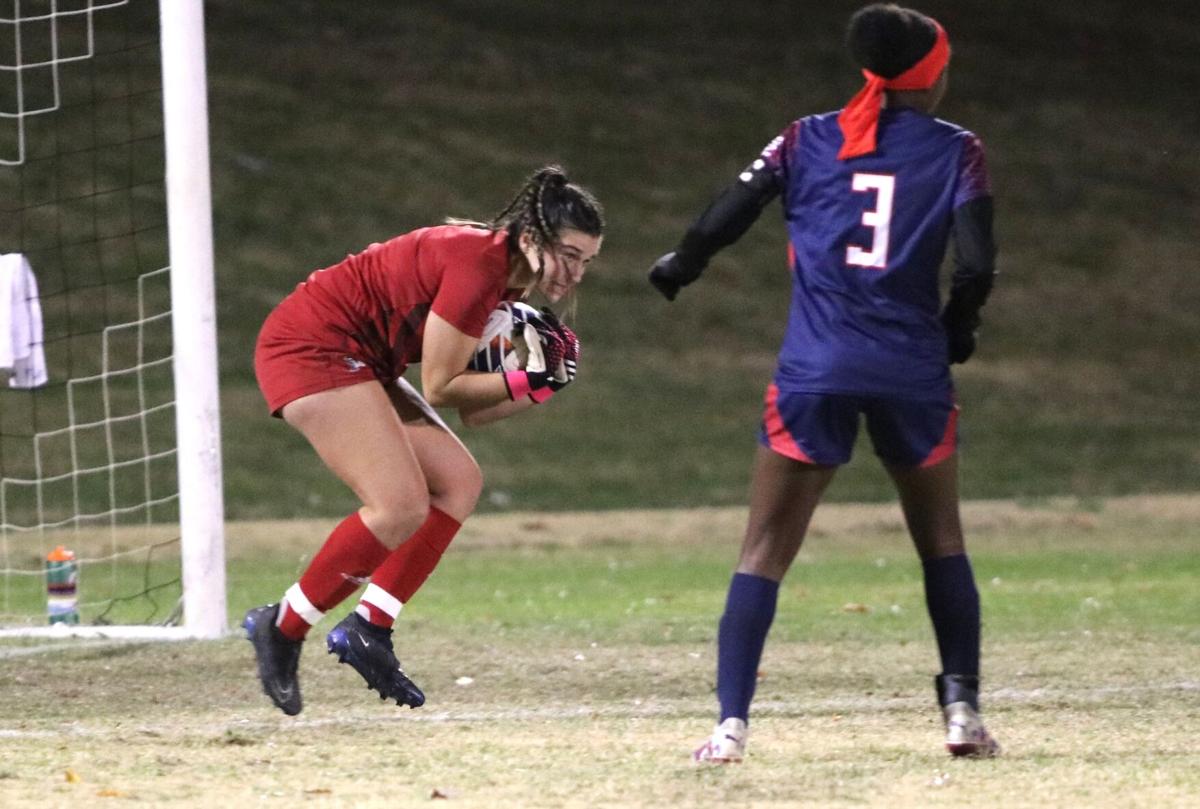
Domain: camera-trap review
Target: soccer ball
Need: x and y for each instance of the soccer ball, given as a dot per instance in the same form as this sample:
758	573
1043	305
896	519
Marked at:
503	346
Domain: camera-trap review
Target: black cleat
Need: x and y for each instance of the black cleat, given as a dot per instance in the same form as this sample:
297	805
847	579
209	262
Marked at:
368	649
278	658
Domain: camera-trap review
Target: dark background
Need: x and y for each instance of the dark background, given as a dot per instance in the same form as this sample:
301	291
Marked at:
338	124
333	128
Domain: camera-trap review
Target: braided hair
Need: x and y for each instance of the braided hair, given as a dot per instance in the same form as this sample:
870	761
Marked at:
547	204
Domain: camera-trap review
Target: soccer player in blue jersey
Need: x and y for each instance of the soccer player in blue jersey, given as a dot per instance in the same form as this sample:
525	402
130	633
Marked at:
871	195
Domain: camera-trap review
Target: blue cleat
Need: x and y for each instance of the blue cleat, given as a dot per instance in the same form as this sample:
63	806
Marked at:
368	649
278	658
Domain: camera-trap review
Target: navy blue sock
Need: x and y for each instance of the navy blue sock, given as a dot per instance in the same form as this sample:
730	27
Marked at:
953	603
749	610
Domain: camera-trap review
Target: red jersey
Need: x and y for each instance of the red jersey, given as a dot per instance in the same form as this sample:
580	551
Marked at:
368	311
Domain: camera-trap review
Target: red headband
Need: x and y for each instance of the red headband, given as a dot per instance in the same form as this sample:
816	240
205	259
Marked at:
860	118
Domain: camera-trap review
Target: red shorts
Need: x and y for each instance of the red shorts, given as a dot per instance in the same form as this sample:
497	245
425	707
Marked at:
297	355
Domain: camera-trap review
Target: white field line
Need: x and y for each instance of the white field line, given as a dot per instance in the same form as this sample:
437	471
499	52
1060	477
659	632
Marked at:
634	709
68	645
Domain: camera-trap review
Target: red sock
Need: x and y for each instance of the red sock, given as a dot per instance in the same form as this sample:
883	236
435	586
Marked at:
349	554
406	569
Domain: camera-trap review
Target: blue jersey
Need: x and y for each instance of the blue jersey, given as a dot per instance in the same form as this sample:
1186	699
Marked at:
866	241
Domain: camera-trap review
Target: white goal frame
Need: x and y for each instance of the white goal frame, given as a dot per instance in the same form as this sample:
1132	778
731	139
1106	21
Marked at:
194	339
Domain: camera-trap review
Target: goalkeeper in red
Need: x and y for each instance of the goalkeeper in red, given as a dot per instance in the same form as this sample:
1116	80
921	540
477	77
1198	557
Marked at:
330	360
871	196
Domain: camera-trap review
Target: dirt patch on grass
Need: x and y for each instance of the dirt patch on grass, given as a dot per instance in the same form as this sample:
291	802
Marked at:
1155	518
1151	521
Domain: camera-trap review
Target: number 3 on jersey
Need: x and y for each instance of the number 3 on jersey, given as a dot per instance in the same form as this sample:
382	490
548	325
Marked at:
879	219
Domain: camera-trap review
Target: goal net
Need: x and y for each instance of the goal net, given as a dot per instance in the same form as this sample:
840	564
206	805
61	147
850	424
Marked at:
109	439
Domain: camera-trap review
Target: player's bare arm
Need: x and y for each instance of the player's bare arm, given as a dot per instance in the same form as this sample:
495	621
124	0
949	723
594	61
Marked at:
445	380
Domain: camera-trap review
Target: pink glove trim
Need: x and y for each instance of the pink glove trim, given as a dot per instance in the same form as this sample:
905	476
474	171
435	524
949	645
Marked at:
518	384
541	395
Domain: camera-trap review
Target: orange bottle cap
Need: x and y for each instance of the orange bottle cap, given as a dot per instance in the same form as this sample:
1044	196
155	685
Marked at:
61	554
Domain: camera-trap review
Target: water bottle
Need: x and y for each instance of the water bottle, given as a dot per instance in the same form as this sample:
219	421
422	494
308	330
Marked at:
62	578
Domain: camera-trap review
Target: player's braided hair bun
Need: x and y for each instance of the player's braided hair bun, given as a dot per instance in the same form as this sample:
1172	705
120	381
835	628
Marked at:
888	39
547	203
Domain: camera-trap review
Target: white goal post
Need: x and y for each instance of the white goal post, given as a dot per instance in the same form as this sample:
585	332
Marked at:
193	339
194	317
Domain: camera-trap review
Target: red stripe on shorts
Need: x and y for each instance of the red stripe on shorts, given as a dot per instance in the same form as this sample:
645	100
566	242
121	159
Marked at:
947	445
778	437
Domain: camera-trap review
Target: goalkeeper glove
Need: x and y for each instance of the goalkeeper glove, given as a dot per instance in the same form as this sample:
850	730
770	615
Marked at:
669	275
537	385
560	346
553	360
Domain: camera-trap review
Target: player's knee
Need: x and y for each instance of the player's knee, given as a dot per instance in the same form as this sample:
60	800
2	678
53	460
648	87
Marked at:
396	519
459	497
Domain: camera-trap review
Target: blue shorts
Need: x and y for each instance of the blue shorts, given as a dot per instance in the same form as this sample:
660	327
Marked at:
820	428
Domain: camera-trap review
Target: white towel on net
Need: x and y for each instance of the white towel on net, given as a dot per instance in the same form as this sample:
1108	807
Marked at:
21	352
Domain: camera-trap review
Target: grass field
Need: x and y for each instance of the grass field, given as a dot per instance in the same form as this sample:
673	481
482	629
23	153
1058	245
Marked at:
586	630
334	129
589	640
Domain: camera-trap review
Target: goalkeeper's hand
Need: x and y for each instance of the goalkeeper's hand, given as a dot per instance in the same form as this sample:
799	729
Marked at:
560	346
669	275
553	360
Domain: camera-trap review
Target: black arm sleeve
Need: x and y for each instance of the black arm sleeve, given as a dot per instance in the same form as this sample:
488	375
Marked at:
727	218
974	265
